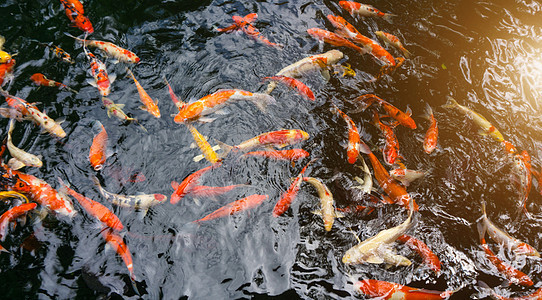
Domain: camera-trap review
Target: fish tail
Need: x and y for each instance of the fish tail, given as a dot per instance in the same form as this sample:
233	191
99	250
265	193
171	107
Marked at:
450	103
406	53
262	100
363	148
97	126
76	38
365	101
389	17
428	111
130	74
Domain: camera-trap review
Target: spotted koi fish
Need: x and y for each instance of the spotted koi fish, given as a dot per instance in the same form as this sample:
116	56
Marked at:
75	12
102	81
41	80
364	10
59	52
110	49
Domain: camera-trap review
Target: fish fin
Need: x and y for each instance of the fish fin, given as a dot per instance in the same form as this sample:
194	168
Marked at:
325	74
363	148
2	249
450	103
112	78
408	111
22	220
206	119
226	149
91	82
262	100
317	212
355	235
222	112
192	145
374	259
143	107
174	185
339	214
216	147
389	17
196	201
198	158
142	213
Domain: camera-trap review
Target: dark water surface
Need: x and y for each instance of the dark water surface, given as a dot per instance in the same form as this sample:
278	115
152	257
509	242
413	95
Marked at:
486	54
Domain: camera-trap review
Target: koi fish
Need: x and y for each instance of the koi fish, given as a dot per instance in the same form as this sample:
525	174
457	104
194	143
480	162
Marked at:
13	214
249	202
110	49
208	151
366	184
141	202
534	296
4	56
287	197
318	62
431	136
390	290
11	194
333	39
41	192
348	31
304	90
244	24
212	191
406	176
364	10
178	103
96	209
391	39
290	154
24	157
327	210
391	147
15	164
485	127
428	257
117	243
512	274
509	147
392	111
11	113
41	80
150	105
97	154
377	249
353	135
6	72
396	192
40	118
279	139
501	237
183	188
116	110
102	81
216	101
74	12
59	52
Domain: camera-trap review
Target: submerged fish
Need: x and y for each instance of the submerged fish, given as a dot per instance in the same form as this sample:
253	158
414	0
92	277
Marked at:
59	52
150	105
289	195
6	72
27	159
98	147
429	258
512	274
402	118
406	176
394	41
364	10
41	80
244	24
208	151
391	146
249	202
110	50
304	90
333	39
102	80
394	291
326	202
431	136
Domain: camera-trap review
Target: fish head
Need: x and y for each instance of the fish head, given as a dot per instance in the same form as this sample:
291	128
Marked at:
104	87
37	78
349	6
160	197
333	56
83	23
526	249
4	57
189	112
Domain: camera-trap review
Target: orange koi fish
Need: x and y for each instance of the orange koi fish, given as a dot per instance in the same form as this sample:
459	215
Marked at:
394	41
97	154
287	197
391	147
512	274
406	176
290	154
41	80
110	49
11	215
364	10
249	202
117	243
102	81
348	31
150	105
96	209
392	111
279	139
215	101
59	52
429	258
212	191
183	188
244	24
304	90
389	290
6	72
75	12
352	150
41	192
178	103
333	39
396	192
431	136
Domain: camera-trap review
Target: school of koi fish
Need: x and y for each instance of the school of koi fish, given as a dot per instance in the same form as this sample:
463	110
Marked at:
28	193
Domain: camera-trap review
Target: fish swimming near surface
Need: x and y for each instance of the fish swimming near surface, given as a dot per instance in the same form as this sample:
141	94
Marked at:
41	80
110	49
6	72
394	41
431	136
4	56
333	39
327	210
246	203
289	154
11	215
352	150
75	12
102	80
208	151
394	291
149	104
245	24
391	146
97	155
304	90
289	195
183	188
533	296
512	274
428	257
28	159
406	176
117	243
402	118
59	52
364	10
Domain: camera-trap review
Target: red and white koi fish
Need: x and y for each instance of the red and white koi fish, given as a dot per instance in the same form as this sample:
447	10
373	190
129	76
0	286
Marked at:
102	81
150	105
32	111
333	39
394	291
391	147
352	150
501	237
428	257
392	111
304	90
96	209
287	197
279	139
27	159
244	24
59	52
217	100
111	50
406	176
75	12
41	80
431	136
394	41
41	192
11	215
512	274
117	243
290	154
97	154
212	191
249	202
318	62
6	72
183	188
364	10
348	31
327	210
